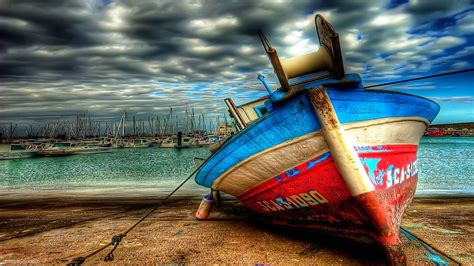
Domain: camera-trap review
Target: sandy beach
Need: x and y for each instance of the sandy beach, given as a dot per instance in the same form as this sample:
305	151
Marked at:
55	229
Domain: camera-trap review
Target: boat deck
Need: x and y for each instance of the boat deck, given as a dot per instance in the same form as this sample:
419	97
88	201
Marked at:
55	229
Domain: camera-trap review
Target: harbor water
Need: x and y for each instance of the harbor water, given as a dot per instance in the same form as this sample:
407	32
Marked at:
446	169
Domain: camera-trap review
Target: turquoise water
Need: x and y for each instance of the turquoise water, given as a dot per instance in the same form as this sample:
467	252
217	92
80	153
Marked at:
446	167
120	167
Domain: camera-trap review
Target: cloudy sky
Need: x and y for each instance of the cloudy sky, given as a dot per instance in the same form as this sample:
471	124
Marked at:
63	57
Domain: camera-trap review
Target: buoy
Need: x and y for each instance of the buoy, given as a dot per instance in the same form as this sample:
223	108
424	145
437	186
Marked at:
205	207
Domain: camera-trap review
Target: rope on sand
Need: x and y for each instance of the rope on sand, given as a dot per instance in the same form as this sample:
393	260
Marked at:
116	239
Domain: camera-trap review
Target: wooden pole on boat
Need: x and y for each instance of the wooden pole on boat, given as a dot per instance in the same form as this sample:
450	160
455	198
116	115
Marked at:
345	157
348	163
239	121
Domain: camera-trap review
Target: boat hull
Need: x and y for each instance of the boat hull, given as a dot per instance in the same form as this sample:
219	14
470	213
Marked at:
287	165
313	195
94	150
56	152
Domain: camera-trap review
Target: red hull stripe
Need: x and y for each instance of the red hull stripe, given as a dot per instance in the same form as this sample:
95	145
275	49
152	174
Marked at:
317	181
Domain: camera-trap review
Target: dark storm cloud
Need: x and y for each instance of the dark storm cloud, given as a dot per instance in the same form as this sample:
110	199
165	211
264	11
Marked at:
52	22
68	56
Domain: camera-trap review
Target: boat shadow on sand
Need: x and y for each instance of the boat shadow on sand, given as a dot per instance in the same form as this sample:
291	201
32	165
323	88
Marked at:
339	249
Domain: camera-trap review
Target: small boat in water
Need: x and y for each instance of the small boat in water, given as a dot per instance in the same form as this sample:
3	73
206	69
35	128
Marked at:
137	143
90	147
57	149
16	151
322	152
207	140
178	141
168	142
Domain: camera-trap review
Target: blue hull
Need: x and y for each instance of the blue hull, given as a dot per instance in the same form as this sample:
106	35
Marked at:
296	118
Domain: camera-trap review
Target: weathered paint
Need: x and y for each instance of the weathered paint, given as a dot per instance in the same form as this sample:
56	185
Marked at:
317	197
340	145
320	174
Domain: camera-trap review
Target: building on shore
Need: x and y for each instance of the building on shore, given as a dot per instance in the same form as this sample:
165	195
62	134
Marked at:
455	129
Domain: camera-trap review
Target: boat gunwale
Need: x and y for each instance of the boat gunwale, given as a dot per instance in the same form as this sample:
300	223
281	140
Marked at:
266	97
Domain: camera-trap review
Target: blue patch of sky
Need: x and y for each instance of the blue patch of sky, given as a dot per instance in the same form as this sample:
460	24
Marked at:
455	49
195	96
425	43
436	26
157	94
399	67
254	94
453	93
395	3
236	85
198	87
455	111
104	3
170	84
243	69
455	85
218	93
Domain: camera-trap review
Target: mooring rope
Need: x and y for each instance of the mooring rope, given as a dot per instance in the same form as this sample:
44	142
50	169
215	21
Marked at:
420	78
116	239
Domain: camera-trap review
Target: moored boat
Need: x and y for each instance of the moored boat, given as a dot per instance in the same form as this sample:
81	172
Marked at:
207	140
57	149
178	141
168	143
90	147
323	153
137	143
16	151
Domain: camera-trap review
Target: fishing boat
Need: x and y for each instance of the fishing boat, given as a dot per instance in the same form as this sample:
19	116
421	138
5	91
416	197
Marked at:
16	151
322	152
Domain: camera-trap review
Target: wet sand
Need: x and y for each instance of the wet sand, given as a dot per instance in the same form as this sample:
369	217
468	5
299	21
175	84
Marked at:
39	228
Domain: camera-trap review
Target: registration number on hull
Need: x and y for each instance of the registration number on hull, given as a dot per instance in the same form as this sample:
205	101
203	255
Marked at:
301	200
